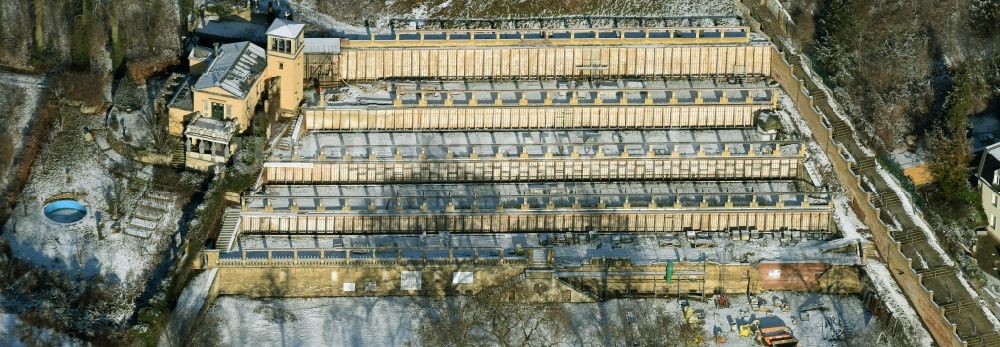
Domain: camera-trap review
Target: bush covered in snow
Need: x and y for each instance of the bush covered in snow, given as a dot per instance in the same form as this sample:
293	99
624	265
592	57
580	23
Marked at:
90	309
128	97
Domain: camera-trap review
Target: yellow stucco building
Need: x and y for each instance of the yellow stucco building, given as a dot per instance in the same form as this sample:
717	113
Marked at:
989	187
226	85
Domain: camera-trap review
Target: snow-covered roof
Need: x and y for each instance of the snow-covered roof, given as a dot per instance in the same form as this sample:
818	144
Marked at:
230	31
994	150
182	98
321	45
235	68
635	90
989	164
436	145
200	53
285	28
410	197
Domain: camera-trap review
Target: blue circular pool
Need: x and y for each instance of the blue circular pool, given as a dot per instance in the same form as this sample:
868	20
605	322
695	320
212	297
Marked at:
65	211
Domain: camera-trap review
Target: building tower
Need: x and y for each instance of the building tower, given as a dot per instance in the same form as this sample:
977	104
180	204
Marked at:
285	62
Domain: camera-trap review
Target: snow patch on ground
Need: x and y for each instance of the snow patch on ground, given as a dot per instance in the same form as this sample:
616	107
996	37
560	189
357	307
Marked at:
847	221
89	247
975	296
817	164
849	225
306	11
16	333
133	126
894	299
17	123
372	321
834	105
917	218
394	321
188	307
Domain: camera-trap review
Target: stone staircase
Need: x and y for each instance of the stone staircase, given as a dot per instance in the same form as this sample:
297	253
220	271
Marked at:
909	235
146	217
991	338
282	141
936	271
818	95
973	326
841	130
539	258
885	199
177	156
794	59
963	304
890	198
866	163
230	230
284	144
868	250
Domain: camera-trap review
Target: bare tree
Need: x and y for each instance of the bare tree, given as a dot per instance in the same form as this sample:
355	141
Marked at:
639	324
113	196
494	317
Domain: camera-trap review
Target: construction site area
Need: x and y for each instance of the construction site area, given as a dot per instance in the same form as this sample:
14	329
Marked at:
686	170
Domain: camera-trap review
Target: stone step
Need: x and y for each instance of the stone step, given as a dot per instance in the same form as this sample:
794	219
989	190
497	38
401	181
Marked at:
147	214
991	338
866	163
153	205
909	236
177	156
158	195
935	271
891	199
818	94
869	251
138	232
142	223
876	201
962	304
887	199
793	59
230	229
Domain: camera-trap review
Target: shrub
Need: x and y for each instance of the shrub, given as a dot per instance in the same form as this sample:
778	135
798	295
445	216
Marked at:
140	70
83	87
6	152
128	97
